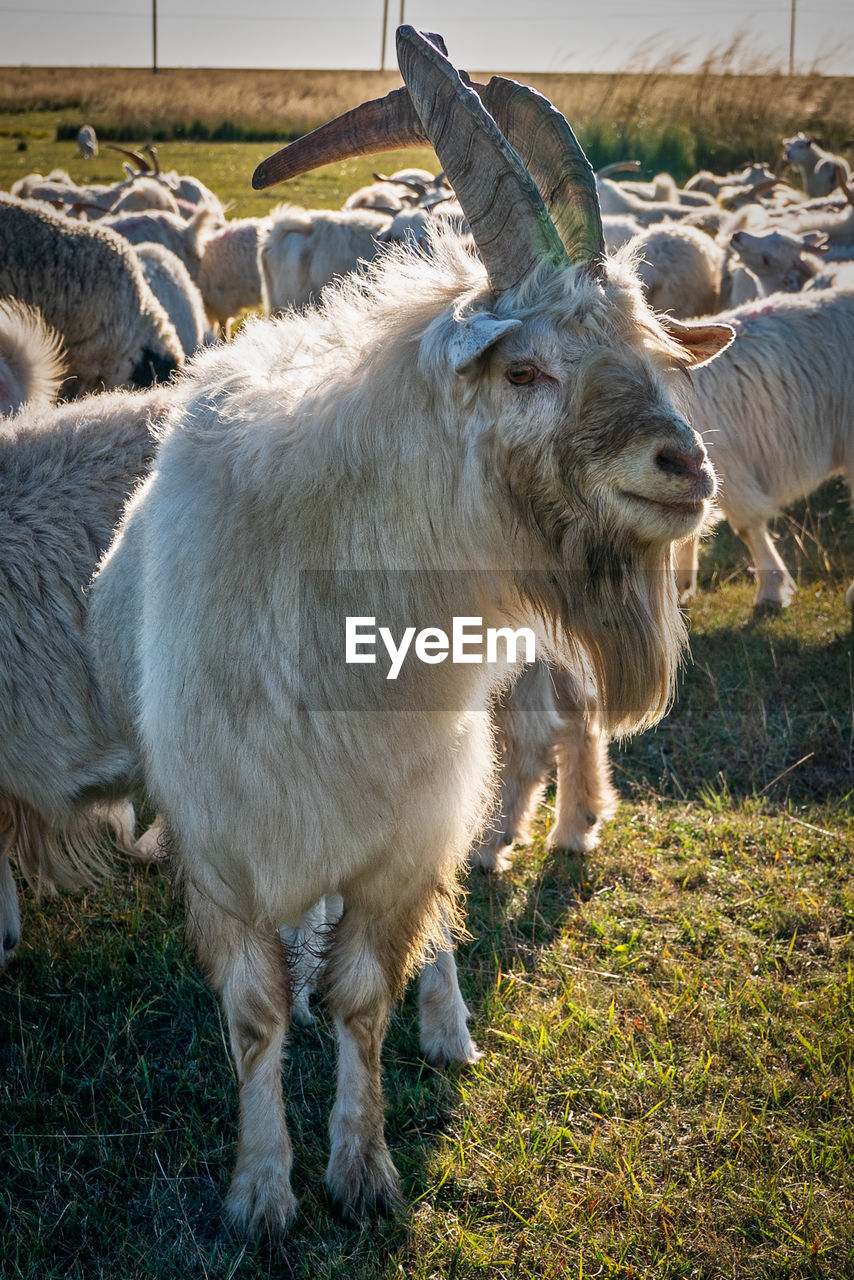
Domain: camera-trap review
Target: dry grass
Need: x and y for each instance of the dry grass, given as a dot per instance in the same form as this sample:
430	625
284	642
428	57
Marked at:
717	115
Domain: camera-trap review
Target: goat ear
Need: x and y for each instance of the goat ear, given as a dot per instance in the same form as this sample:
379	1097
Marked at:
474	334
699	343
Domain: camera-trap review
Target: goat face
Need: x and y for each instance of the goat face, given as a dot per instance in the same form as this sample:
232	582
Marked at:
580	421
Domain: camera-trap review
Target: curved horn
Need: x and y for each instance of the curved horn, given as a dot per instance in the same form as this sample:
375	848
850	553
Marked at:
556	161
383	124
619	166
141	163
503	207
389	123
152	151
842	183
419	187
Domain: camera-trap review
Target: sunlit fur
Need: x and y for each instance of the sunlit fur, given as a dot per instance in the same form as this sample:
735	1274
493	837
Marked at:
64	474
32	360
344	439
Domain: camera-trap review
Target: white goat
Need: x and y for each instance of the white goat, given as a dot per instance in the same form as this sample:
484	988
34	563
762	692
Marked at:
304	249
229	277
426	445
776	417
32	358
185	237
548	720
817	167
781	261
65	474
87	142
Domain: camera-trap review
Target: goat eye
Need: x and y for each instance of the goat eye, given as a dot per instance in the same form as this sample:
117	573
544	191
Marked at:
521	374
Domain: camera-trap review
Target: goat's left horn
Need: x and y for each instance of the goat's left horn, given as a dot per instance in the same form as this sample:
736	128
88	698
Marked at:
558	165
141	163
503	206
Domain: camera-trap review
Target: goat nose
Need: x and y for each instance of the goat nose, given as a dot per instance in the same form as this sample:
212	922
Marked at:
688	466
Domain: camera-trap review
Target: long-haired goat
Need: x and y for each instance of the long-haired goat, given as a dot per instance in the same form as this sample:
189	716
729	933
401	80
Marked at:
441	439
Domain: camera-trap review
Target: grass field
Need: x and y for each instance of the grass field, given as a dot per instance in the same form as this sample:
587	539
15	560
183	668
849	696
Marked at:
667	1089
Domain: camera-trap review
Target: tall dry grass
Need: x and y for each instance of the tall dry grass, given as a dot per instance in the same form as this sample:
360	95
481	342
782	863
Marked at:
728	111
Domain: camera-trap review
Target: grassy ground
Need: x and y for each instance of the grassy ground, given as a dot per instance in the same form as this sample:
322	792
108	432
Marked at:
668	1024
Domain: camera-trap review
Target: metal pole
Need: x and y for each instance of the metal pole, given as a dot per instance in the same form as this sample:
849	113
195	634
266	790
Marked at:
154	37
402	7
792	39
385	32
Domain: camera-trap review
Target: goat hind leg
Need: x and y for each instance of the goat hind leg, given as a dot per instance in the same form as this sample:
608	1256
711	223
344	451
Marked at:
585	796
443	1017
248	971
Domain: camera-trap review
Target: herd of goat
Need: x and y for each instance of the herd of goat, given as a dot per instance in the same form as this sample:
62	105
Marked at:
464	400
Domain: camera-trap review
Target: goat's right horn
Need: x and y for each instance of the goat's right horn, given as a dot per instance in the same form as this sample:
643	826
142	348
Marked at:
503	206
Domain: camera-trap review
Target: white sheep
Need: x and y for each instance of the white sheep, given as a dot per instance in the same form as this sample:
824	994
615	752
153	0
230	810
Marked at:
87	142
680	268
817	167
65	473
32	357
181	299
229	276
421	447
775	413
89	287
304	249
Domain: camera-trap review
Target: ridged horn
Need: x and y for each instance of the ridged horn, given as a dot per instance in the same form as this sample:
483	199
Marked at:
503	207
355	133
556	161
389	123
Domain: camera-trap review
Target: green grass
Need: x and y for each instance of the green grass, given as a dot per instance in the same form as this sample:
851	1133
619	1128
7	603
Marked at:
668	1023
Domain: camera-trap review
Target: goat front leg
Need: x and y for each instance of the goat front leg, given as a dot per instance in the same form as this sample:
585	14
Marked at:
775	588
585	797
686	564
370	952
10	912
248	971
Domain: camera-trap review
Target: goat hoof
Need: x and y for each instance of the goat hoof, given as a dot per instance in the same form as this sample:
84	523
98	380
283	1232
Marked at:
449	1047
11	942
490	857
261	1203
363	1183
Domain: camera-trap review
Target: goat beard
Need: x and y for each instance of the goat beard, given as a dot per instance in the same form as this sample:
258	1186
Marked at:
613	608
